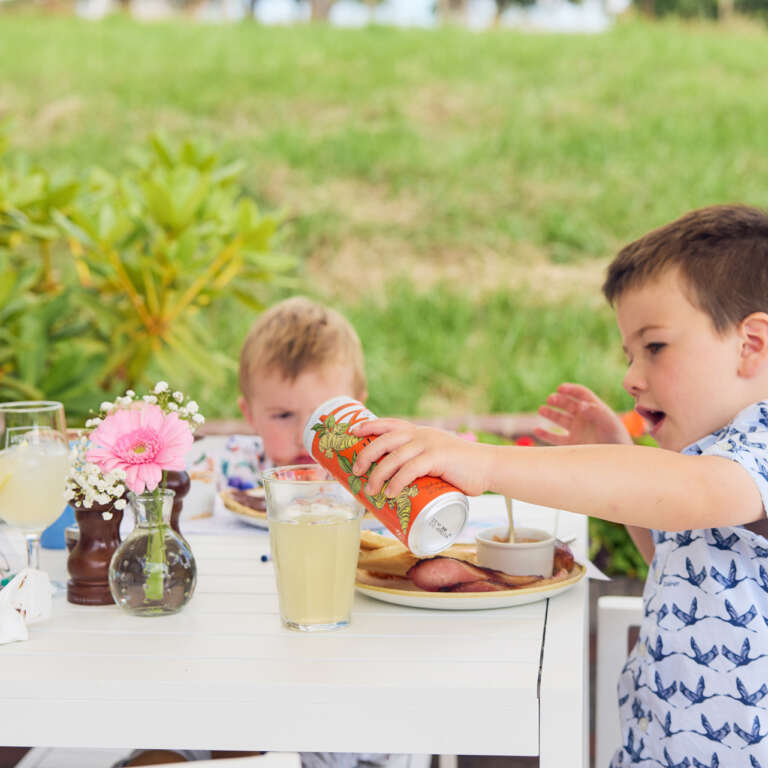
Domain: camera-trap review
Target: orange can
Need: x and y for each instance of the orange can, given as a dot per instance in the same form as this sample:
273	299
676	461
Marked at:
426	515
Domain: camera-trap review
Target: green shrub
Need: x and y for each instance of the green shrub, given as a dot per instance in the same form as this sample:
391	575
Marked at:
147	252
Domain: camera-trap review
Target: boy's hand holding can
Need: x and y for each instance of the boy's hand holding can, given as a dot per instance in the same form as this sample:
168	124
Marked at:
404	451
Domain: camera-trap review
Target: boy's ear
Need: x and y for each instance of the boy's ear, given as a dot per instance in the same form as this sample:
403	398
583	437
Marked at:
754	344
246	411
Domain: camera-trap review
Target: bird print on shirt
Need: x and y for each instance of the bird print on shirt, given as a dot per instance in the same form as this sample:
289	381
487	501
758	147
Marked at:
666	725
750	737
726	581
670	763
721	542
738	619
746	698
713	734
685	539
688	617
697	695
657	652
743	658
704	659
636	752
760	552
661	691
692	577
763	576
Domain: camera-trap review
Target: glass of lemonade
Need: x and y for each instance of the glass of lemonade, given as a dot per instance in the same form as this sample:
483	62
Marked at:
314	532
34	462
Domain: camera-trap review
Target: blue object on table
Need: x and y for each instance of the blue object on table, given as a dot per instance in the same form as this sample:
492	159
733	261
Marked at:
53	536
240	483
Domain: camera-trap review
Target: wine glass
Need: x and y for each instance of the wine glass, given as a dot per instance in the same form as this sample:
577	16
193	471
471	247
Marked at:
34	463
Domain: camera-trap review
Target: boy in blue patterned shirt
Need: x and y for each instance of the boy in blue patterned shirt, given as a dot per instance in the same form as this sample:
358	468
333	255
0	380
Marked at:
691	302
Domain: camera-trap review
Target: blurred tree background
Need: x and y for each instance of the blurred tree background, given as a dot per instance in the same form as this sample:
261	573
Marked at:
456	194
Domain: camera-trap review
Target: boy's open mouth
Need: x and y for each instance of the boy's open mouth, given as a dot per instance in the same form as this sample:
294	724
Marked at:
653	418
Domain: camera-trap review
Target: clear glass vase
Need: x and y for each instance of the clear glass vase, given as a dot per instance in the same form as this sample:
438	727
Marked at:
153	572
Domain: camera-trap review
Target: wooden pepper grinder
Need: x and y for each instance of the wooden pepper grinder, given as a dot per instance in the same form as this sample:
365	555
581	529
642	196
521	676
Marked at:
179	483
88	562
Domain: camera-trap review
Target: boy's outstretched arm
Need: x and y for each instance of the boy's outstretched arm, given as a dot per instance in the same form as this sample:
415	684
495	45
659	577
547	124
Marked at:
633	485
585	418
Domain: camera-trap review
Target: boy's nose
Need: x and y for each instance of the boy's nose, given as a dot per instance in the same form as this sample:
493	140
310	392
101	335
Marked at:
633	381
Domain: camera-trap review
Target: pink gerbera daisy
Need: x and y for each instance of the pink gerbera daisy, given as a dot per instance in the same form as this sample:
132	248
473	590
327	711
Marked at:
143	441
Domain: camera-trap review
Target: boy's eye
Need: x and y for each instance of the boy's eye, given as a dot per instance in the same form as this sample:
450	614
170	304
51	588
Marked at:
655	346
282	415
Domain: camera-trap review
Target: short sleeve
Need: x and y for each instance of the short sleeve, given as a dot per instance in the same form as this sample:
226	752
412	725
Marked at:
745	441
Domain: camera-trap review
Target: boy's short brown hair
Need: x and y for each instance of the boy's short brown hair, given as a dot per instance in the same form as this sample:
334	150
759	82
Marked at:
721	252
297	335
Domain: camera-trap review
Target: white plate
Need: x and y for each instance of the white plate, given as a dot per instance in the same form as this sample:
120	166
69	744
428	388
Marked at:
256	522
467	601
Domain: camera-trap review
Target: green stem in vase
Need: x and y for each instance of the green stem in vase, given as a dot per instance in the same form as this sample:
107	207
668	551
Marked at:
155	564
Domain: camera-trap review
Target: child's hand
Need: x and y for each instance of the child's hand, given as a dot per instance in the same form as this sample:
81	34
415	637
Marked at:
405	452
584	416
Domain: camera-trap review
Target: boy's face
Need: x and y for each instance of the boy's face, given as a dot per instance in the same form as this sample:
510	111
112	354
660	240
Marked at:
278	409
682	373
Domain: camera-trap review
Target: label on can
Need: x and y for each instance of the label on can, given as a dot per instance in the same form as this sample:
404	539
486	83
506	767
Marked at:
426	515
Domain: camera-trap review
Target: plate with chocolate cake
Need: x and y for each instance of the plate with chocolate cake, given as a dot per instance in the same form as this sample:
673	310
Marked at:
248	505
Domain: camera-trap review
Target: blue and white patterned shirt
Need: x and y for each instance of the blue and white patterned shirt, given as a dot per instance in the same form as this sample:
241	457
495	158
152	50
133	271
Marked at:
694	690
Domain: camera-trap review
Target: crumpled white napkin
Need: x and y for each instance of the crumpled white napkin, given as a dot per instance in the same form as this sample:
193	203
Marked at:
13	550
24	600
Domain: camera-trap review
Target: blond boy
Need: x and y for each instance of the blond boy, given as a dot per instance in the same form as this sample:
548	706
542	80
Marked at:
297	355
691	302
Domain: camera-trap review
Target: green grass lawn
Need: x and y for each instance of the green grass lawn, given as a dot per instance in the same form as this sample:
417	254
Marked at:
457	194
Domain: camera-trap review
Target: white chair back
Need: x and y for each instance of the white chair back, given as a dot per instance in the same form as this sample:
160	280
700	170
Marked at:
615	615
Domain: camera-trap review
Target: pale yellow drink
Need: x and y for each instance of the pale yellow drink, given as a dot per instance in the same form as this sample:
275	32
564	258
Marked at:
32	480
314	549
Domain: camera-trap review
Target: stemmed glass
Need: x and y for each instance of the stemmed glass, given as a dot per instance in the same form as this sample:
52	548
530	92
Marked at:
34	462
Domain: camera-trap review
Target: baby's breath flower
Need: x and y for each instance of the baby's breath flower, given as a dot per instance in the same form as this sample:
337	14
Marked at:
178	396
172	406
93	422
87	486
149	399
120	504
161	386
192	407
198	418
130	393
106	406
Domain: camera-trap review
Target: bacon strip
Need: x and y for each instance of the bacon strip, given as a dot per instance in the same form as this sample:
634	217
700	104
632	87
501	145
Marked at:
563	557
446	574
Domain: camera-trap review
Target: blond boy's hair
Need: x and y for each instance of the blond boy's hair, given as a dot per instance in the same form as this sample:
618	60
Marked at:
298	335
720	251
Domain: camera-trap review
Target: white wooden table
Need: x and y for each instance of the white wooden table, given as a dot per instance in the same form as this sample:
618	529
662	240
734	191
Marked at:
224	674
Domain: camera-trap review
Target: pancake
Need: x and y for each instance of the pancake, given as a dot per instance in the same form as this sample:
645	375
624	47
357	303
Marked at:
251	502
